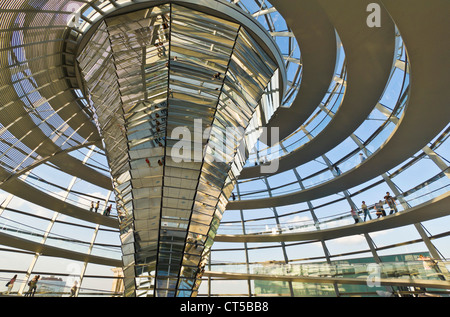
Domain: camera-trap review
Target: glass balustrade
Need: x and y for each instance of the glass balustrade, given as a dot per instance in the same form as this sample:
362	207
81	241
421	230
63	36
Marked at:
427	269
432	188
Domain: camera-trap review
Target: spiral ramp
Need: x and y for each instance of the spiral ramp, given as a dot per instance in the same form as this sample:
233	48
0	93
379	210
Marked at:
53	161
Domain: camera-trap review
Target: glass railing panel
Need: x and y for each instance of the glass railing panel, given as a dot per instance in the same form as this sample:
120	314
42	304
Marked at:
381	138
423	193
284	190
411	270
114	253
318	179
428	192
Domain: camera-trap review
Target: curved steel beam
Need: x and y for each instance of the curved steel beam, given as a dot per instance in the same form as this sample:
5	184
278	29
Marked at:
317	40
35	196
47	250
426	114
369	56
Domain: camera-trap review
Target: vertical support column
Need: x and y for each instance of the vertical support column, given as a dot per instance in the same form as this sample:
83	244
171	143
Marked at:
302	187
317	224
419	227
439	163
5	203
44	239
369	240
325	249
91	246
378	261
50	226
328	258
316	221
283	245
241	212
437	160
433	251
344	192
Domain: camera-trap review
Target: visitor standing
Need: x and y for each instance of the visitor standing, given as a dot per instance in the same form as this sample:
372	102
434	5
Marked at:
361	158
391	203
73	290
10	284
108	210
32	286
380	209
354	215
366	211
